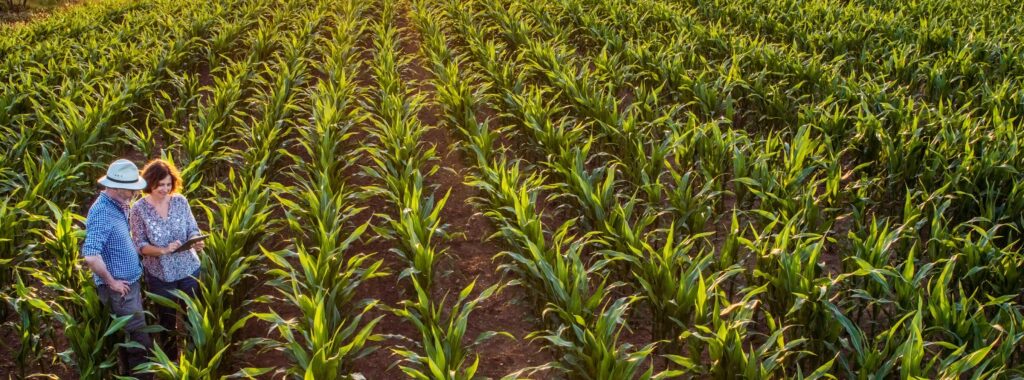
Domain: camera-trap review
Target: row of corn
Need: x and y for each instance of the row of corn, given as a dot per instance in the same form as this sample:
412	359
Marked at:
685	188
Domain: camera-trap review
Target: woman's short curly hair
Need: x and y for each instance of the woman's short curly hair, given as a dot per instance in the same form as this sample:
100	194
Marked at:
156	170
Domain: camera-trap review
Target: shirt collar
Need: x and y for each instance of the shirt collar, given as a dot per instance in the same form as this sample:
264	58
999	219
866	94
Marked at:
121	205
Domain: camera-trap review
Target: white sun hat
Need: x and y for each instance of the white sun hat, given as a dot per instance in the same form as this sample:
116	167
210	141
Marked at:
123	174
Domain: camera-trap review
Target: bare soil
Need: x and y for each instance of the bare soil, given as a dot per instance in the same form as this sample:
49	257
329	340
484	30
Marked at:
33	9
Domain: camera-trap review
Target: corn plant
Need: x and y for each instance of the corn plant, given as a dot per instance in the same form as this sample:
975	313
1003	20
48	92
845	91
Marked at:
444	356
594	351
868	354
266	135
417	228
28	307
330	335
15	255
729	354
201	143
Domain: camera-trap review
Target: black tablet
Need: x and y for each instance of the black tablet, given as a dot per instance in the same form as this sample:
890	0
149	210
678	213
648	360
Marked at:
188	244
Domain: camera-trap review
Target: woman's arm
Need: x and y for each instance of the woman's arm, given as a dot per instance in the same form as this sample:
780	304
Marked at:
154	251
138	226
191	226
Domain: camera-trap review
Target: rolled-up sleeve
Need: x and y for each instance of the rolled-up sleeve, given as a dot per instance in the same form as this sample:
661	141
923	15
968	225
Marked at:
97	229
138	226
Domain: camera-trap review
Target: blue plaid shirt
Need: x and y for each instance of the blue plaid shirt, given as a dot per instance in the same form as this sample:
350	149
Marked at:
107	234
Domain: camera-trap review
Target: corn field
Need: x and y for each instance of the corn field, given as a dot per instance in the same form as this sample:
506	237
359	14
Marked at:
557	189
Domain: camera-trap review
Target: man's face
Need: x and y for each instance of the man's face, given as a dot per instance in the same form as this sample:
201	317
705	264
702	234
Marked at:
124	195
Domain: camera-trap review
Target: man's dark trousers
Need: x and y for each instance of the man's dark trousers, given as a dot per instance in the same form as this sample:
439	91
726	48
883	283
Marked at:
130	304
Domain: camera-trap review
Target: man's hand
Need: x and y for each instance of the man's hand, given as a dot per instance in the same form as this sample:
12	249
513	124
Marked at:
121	287
171	247
95	262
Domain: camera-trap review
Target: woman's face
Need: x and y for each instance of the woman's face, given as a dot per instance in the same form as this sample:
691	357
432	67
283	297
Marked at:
163	188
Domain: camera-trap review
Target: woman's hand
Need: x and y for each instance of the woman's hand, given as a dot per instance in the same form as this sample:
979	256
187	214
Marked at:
199	245
171	247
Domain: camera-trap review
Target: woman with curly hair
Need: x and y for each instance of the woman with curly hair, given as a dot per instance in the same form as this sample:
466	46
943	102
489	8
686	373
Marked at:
160	222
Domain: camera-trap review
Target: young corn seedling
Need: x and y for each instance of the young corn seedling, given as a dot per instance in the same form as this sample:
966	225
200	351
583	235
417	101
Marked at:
692	204
13	220
867	356
538	116
672	279
445	355
417	229
330	334
910	281
872	254
787	263
29	308
202	144
593	350
591	190
279	104
729	354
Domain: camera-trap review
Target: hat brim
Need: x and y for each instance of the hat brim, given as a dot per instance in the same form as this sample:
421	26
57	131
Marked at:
137	185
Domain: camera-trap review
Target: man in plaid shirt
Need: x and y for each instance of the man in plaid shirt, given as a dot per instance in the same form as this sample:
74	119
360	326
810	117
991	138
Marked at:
111	254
